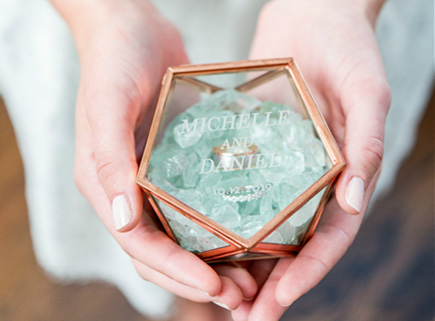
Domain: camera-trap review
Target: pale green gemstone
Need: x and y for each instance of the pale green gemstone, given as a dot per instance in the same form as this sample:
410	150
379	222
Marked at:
234	179
304	215
169	212
226	214
175	165
252	226
284	234
262	137
275	237
223	195
157	177
251	207
212	179
272	175
307	126
288	232
315	147
219	134
194	238
192	198
295	162
266	209
256	177
190	177
287	192
162	153
187	138
203	149
208	241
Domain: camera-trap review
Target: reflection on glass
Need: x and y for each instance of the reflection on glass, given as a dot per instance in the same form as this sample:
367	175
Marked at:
236	158
293	230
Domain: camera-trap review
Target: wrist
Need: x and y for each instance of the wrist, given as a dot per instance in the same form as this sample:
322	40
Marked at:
371	9
86	18
368	9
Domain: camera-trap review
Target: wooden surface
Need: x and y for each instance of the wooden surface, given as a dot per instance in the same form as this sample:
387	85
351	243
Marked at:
388	274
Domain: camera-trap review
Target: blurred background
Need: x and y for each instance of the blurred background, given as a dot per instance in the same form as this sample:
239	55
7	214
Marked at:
387	274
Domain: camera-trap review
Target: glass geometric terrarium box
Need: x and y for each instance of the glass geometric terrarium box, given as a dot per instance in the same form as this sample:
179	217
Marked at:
239	161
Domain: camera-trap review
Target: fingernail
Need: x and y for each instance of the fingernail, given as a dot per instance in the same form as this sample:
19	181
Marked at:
221	305
121	212
355	193
286	305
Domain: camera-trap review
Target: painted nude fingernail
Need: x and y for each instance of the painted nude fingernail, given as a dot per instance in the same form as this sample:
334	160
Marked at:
121	211
355	193
221	305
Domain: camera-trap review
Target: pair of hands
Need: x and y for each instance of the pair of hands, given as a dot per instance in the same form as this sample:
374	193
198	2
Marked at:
125	47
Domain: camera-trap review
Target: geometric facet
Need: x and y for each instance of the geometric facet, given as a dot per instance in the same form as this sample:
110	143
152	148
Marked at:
233	146
190	235
292	231
274	156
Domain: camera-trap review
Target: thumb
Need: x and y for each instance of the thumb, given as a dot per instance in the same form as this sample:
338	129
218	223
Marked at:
112	114
363	143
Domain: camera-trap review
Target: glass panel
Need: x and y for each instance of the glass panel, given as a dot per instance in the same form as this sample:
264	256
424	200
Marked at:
278	87
190	235
293	230
239	154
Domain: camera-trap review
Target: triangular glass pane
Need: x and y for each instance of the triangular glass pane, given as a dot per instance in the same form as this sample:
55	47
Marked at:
238	158
190	235
292	231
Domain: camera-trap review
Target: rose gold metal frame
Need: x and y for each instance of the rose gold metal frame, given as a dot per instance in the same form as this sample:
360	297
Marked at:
238	247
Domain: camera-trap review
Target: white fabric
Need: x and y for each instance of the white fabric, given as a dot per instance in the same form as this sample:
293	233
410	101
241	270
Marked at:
405	33
38	80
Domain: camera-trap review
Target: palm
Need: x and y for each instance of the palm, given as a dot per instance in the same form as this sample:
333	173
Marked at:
122	66
338	55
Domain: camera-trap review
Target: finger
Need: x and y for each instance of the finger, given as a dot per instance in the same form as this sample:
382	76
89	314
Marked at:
146	243
335	234
366	99
260	271
242	312
315	260
229	297
241	277
112	106
265	306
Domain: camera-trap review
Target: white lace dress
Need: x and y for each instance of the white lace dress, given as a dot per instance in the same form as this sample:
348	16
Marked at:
39	72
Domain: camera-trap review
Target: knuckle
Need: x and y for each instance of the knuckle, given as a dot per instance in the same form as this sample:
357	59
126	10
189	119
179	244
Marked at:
79	174
383	96
167	262
144	276
374	151
106	167
142	270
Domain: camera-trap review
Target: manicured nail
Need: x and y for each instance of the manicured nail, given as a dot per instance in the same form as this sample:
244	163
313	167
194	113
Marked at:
121	211
355	193
221	305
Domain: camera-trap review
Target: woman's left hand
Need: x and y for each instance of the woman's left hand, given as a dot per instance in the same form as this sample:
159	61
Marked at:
333	43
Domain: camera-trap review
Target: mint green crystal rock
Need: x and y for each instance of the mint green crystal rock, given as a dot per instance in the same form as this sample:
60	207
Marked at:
278	158
185	140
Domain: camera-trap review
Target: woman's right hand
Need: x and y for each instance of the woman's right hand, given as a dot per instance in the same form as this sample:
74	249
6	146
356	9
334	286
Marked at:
124	48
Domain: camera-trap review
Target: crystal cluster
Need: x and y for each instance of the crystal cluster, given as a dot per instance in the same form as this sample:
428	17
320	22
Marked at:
288	159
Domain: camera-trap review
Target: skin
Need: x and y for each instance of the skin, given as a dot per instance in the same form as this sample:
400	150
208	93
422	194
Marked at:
334	44
124	49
